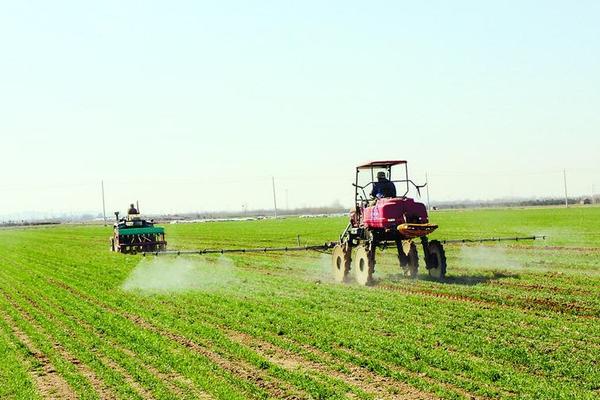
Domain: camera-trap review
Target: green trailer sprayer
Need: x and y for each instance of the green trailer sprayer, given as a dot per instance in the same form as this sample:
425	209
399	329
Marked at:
133	234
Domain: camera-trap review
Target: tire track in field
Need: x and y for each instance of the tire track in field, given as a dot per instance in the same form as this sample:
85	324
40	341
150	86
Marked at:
379	386
239	368
541	287
536	304
49	383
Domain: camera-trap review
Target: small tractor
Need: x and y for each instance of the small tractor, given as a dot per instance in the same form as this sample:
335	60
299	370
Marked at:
378	221
133	234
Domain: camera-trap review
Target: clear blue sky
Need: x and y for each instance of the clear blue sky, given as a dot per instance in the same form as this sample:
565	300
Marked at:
195	105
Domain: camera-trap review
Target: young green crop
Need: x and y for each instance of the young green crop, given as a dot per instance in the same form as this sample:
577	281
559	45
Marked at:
511	320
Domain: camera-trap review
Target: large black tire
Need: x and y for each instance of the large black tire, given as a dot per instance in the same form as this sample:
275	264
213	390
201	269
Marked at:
364	266
408	257
412	267
402	258
436	260
341	263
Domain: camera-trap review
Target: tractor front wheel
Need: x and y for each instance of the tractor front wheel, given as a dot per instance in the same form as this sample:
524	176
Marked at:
436	260
412	268
341	262
408	257
364	265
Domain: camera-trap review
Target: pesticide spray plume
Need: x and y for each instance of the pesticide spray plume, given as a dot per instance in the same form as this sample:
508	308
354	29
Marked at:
487	257
181	274
311	268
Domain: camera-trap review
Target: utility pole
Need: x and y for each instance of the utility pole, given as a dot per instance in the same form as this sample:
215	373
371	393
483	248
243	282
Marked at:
103	203
565	182
427	188
274	197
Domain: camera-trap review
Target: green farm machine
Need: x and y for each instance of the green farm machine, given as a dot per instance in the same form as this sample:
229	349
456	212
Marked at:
134	234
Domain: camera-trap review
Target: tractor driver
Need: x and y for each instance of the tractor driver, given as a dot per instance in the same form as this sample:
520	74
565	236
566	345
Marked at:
383	187
132	210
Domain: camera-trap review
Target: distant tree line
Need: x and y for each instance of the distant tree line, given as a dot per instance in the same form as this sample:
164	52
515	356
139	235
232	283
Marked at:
553	201
256	213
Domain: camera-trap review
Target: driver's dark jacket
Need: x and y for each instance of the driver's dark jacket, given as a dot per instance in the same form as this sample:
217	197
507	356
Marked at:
384	188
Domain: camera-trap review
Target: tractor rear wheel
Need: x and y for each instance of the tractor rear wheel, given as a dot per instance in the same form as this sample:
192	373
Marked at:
364	265
436	260
341	262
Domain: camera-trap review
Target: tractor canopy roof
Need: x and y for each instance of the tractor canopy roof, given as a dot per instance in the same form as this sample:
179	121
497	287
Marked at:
381	164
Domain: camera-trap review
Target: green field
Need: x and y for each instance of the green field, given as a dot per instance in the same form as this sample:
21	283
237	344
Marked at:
517	320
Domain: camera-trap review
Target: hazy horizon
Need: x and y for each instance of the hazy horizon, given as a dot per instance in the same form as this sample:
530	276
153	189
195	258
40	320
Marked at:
196	106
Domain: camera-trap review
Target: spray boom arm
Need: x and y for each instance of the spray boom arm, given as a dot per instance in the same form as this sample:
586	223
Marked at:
322	247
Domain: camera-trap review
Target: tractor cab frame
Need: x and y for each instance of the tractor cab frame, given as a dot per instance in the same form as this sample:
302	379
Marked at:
370	170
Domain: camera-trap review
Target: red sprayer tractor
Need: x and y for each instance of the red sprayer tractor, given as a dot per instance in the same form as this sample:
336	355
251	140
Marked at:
380	219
